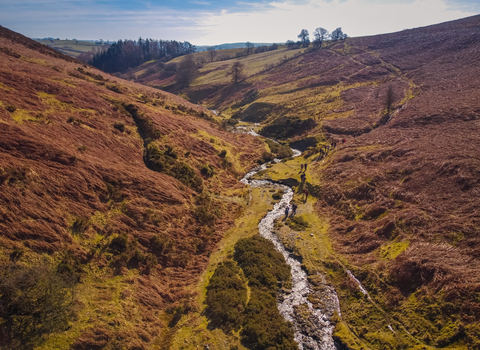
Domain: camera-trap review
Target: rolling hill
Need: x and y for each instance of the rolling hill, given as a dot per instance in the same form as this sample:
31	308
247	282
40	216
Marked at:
112	197
399	192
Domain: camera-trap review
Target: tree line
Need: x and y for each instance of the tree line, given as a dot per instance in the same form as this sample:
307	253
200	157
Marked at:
320	35
131	53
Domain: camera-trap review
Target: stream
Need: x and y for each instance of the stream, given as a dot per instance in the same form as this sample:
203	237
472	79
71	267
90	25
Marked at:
312	326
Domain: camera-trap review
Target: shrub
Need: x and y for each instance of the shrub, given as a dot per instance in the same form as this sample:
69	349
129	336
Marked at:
222	154
74	121
161	244
119	126
114	88
11	108
186	175
145	125
119	244
286	127
226	297
266	157
261	263
36	301
264	267
264	327
207	170
114	192
280	151
204	216
278	195
79	226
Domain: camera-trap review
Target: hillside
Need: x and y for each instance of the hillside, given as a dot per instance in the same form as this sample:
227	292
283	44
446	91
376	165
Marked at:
399	199
112	197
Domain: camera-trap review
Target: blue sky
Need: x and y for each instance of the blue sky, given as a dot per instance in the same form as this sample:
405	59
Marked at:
209	22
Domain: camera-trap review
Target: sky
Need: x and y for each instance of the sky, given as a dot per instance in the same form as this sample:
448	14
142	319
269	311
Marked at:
212	22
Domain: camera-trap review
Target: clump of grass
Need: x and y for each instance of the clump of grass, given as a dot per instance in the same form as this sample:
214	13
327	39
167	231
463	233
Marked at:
74	121
114	88
278	195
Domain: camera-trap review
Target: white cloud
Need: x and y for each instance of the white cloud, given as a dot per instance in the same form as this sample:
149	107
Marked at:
284	20
276	21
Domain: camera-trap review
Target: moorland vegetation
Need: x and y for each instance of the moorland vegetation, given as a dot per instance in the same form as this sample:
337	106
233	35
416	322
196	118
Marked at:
106	216
400	194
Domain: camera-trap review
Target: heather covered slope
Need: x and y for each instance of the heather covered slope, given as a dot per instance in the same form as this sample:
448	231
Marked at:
122	186
401	195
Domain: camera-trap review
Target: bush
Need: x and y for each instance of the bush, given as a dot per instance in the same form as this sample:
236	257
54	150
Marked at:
278	195
119	244
264	327
79	226
161	244
74	121
286	127
119	126
207	170
222	154
114	88
280	151
186	175
264	267
11	108
261	263
226	297
36	301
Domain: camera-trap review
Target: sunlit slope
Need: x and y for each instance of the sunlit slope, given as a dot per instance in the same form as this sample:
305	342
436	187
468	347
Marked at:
400	196
123	188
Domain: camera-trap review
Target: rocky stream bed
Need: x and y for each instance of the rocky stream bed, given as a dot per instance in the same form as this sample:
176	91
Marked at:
312	324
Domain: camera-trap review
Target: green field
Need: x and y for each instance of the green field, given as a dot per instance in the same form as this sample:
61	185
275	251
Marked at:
70	47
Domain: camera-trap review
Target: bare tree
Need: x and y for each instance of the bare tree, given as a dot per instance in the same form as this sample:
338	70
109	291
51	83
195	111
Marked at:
236	71
320	35
249	47
212	53
186	71
389	98
303	36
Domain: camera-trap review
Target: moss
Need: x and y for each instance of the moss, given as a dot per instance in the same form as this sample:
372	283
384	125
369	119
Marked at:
344	336
298	223
392	250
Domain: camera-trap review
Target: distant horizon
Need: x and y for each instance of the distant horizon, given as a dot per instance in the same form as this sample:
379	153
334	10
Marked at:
209	22
231	43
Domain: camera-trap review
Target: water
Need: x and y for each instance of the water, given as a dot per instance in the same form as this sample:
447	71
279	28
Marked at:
313	331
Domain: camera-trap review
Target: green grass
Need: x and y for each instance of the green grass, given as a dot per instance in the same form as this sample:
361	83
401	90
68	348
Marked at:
254	63
70	47
193	329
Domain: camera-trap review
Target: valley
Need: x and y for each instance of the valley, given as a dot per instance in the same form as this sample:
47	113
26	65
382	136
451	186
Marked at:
138	203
